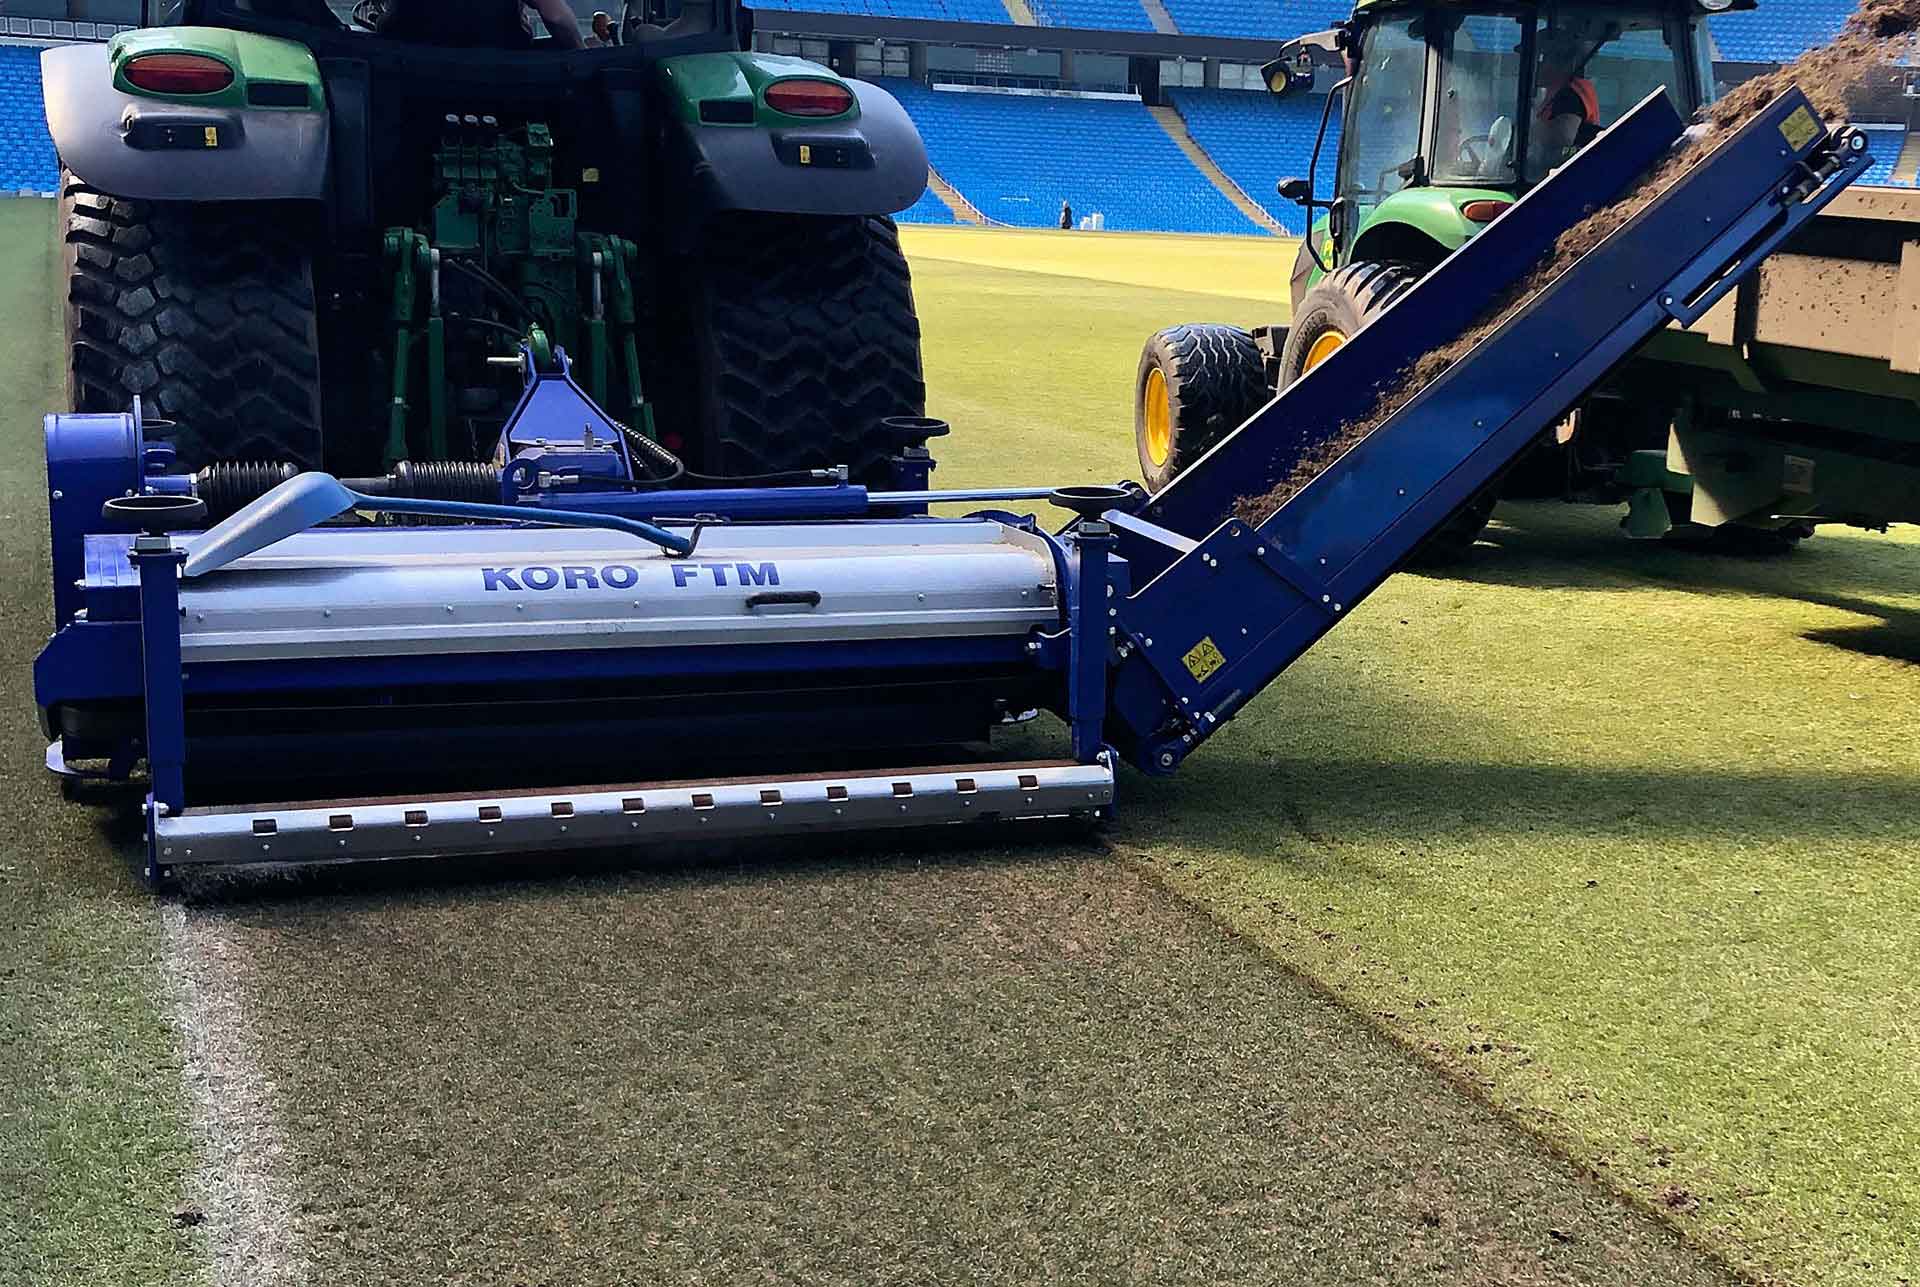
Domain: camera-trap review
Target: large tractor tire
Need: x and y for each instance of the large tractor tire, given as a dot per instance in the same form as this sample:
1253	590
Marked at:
1331	314
203	312
805	339
1197	384
1335	308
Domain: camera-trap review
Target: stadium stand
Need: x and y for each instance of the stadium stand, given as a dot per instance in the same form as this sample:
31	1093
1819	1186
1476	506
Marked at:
1257	19
938	10
1778	31
1883	145
1016	157
928	209
27	160
1259	140
1092	15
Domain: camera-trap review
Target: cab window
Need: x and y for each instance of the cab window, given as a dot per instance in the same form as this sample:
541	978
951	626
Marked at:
1383	121
1481	62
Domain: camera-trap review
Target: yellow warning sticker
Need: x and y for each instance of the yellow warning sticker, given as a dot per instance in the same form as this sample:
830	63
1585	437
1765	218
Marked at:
1204	658
806	154
213	136
1799	129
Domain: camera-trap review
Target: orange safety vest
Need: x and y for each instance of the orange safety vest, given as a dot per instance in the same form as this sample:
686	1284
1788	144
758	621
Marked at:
1584	91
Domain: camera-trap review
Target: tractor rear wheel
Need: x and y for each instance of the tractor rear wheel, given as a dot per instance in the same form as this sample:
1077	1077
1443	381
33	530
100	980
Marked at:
1332	313
1197	384
204	312
805	339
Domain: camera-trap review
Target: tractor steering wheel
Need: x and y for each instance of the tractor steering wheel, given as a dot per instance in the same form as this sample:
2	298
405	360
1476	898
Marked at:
1470	153
367	14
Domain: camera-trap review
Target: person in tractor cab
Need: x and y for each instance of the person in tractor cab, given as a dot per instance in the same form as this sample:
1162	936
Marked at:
1569	115
493	24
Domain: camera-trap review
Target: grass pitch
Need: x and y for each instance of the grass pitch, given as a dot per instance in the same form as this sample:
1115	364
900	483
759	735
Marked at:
1617	833
93	1141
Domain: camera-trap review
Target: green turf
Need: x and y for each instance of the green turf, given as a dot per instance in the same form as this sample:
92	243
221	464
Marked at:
1413	813
93	1147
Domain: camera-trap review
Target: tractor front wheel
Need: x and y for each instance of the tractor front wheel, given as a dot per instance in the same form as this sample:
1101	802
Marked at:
1197	384
1335	309
204	312
805	339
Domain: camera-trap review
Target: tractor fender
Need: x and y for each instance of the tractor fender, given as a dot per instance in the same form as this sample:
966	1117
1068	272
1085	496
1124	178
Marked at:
871	165
261	154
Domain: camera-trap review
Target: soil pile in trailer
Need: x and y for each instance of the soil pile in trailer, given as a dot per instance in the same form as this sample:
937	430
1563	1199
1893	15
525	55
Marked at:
1877	34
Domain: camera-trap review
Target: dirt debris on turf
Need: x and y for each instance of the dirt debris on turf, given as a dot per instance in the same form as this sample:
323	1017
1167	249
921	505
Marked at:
1831	76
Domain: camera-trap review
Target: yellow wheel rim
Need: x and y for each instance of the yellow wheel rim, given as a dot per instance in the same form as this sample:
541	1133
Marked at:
1324	346
1159	410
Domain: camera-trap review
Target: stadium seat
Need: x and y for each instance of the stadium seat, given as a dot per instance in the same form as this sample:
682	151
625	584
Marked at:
1092	15
1778	31
1016	157
928	209
938	10
1257	19
27	160
1883	145
1258	140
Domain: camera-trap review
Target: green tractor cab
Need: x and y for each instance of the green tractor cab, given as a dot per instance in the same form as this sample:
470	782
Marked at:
1448	113
327	244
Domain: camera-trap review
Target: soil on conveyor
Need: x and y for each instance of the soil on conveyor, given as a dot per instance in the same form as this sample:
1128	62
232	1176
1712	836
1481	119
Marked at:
1877	33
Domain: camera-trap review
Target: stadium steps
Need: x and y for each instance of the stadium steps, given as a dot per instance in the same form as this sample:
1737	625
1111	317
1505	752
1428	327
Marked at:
964	211
1906	169
1176	130
1162	20
1021	12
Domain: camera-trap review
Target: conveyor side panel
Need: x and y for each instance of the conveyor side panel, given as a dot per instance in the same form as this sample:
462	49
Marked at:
1446	302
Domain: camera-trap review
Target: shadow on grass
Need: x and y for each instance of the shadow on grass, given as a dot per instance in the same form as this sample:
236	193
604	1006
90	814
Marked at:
1422	798
1546	545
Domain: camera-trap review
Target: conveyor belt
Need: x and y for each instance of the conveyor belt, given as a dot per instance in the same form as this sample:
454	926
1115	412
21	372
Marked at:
1213	623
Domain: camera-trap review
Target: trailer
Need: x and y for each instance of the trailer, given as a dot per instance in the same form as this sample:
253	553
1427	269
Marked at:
368	669
1797	395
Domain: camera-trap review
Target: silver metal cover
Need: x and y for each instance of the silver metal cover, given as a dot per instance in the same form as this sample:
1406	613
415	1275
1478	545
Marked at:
390	591
587	817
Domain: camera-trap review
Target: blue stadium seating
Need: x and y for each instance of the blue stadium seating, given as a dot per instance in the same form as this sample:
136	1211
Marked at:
1778	31
1092	15
1258	140
27	160
928	209
1884	147
1016	157
939	10
1257	19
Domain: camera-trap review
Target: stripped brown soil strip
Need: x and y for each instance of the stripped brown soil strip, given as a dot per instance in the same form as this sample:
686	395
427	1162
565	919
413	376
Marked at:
952	1066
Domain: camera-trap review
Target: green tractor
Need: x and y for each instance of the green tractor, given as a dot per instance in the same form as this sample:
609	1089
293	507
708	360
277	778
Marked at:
1449	112
309	241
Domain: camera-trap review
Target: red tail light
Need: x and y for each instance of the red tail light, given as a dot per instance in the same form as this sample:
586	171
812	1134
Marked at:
1484	211
178	73
809	97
